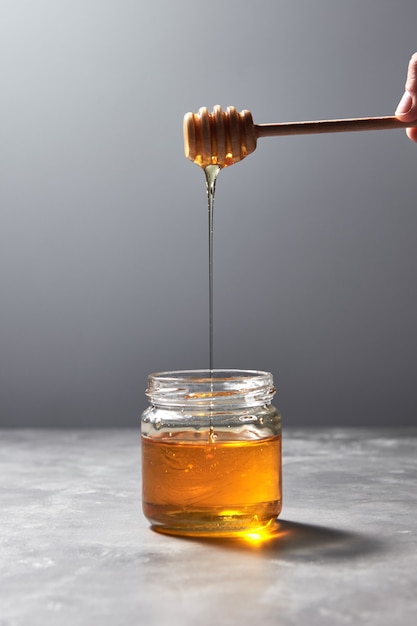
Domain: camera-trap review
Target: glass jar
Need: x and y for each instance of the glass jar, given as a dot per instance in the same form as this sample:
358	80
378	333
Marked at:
211	452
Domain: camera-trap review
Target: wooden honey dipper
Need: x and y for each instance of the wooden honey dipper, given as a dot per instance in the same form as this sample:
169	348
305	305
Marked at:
226	137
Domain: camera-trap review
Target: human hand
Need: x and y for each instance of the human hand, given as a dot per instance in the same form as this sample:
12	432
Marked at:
407	107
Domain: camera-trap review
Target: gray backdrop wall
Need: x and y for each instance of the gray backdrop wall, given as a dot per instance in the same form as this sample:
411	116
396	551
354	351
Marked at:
103	254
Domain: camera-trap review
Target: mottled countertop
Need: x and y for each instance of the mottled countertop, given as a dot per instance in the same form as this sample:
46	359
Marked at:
75	548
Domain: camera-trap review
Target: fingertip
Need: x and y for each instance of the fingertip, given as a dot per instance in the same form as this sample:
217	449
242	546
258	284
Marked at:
412	134
404	105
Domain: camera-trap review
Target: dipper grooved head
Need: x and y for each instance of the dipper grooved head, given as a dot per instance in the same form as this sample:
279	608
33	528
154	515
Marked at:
219	138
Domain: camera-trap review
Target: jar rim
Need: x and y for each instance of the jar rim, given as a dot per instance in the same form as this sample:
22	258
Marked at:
207	374
204	386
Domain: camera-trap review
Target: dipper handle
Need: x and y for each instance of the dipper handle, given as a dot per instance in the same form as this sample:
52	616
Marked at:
330	126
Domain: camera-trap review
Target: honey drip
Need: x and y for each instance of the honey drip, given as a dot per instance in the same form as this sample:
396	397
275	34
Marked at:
211	172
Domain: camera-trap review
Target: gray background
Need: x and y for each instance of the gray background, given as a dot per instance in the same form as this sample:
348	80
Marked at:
103	237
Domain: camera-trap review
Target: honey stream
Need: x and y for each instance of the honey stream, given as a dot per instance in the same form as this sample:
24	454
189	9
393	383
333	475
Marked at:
211	172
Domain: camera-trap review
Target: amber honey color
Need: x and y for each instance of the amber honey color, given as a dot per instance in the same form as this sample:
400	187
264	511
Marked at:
219	487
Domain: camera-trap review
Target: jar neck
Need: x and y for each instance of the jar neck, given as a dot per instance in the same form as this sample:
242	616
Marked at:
210	388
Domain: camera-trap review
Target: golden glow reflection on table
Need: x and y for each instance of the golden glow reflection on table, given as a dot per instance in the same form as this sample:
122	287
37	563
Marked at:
256	537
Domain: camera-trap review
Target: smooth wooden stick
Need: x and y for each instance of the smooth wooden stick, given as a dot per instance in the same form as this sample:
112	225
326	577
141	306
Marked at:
330	126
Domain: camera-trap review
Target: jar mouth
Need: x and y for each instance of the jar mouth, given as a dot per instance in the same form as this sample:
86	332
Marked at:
213	387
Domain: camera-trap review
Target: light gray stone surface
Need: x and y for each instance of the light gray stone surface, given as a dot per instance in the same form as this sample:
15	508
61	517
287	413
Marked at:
75	548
